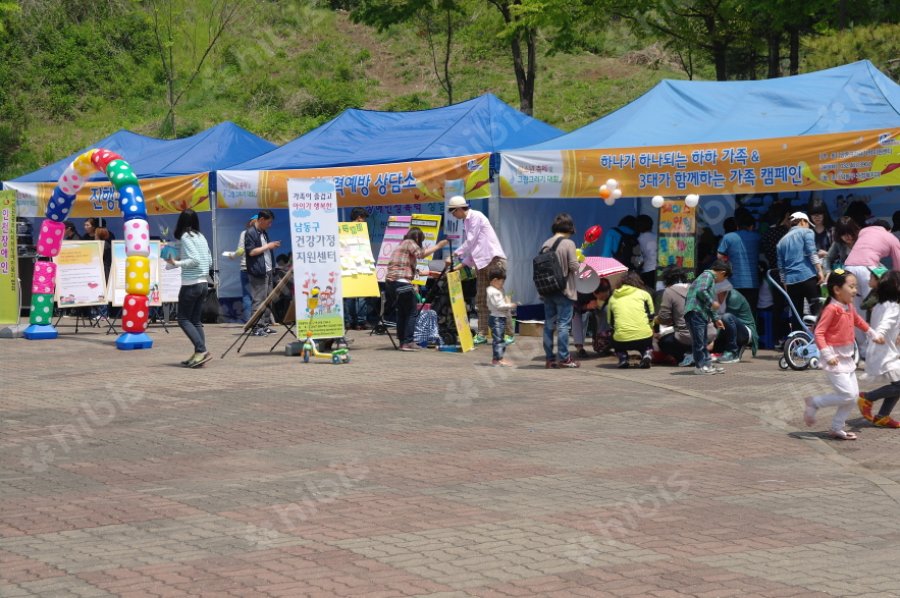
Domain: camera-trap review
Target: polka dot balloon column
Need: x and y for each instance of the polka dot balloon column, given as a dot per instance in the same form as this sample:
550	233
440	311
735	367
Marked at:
135	310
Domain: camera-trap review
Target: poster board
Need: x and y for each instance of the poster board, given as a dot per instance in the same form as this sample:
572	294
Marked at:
453	227
169	278
312	205
80	276
116	284
460	316
677	237
431	226
9	290
396	229
357	263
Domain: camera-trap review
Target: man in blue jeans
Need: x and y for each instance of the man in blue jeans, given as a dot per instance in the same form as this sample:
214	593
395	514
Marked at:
558	307
701	307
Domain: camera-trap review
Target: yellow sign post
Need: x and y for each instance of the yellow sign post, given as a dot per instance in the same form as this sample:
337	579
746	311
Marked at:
9	290
458	303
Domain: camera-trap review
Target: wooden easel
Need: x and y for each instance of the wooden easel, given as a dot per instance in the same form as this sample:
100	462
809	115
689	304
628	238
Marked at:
247	331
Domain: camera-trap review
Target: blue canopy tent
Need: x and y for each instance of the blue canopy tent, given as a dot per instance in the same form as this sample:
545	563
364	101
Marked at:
367	137
218	147
363	137
850	98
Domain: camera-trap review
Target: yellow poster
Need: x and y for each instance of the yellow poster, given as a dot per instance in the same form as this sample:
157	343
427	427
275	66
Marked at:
80	277
9	291
845	161
431	226
357	262
458	303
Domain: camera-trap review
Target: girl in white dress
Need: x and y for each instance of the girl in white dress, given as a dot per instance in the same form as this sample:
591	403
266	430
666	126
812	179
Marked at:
883	361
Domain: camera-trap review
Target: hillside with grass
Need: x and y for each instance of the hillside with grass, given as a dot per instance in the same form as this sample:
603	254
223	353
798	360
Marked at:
279	70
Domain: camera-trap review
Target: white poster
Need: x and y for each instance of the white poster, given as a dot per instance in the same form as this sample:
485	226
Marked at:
80	279
312	204
453	228
116	286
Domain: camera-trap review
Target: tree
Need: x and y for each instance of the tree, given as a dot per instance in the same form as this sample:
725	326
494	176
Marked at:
187	31
437	19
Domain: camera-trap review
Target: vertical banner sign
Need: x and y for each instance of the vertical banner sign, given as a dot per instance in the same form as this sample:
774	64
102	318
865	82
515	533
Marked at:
466	343
453	227
397	227
312	204
431	226
357	263
677	237
9	290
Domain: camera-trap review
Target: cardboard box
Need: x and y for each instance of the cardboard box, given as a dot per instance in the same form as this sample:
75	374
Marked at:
530	327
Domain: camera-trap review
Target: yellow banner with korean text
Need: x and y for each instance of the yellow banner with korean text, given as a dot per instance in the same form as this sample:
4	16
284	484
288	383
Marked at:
806	163
164	195
371	185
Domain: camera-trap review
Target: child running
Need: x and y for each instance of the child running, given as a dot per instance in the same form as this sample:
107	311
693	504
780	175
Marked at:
834	338
883	361
499	306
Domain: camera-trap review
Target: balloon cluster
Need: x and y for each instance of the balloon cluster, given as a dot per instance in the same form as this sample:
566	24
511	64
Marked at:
610	192
690	200
591	236
135	310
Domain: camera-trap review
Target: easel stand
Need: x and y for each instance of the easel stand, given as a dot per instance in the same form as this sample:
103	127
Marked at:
247	330
288	321
83	321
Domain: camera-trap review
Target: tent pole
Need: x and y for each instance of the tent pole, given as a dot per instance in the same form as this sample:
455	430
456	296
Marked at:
494	205
215	233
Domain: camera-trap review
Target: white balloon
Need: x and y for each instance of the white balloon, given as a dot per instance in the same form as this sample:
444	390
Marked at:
609	200
612	184
616	193
604	189
657	201
692	200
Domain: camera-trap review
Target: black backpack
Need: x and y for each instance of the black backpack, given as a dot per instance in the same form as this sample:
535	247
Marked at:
629	251
547	273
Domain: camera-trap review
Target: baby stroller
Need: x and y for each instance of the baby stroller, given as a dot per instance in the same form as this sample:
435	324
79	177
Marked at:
800	350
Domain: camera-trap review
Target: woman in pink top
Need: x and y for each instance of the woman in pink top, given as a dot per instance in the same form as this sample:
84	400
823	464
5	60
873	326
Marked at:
834	338
873	244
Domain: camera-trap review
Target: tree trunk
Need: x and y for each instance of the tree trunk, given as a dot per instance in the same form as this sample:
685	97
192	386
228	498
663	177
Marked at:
794	33
449	85
774	59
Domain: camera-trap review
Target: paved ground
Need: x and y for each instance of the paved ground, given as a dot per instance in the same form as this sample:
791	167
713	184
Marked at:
427	474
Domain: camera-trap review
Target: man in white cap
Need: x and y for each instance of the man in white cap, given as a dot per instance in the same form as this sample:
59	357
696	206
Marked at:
480	250
800	266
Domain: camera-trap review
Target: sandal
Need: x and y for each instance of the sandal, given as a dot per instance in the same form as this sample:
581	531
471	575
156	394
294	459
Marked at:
842	435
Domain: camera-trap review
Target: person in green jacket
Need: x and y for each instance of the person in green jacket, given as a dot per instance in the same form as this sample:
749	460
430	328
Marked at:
630	314
739	331
700	308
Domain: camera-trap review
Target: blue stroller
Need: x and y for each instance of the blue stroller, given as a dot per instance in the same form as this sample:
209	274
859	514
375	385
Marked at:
800	350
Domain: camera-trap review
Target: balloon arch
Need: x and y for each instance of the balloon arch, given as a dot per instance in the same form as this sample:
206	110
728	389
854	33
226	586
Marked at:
135	309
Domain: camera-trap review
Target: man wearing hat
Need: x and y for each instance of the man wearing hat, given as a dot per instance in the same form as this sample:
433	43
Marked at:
799	265
482	251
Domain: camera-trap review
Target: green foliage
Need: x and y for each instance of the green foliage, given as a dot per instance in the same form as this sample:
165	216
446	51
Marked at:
878	43
75	71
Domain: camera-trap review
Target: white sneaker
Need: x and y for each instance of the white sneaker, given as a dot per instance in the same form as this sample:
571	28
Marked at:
708	370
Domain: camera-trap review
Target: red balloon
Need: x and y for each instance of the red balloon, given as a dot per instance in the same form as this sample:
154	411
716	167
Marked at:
592	234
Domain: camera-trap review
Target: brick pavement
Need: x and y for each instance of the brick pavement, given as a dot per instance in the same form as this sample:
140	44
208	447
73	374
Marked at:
431	474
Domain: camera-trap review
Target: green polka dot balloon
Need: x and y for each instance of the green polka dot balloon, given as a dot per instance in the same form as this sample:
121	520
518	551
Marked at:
120	173
41	309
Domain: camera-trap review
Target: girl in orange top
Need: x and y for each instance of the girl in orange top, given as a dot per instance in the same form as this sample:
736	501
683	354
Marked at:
834	338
